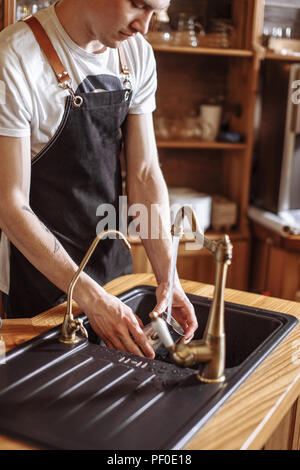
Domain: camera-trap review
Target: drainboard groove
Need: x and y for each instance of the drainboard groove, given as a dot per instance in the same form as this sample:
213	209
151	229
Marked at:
139	399
48	400
119	401
96	395
106	411
59	377
39	368
142	400
82	382
135	415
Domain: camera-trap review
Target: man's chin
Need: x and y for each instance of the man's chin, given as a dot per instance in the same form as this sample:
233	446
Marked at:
115	44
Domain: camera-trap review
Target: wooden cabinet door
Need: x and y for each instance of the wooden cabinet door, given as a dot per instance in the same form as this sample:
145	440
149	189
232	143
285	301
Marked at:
275	271
287	435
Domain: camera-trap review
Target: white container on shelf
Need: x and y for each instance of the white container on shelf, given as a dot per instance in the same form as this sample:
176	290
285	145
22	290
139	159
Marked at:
210	115
200	202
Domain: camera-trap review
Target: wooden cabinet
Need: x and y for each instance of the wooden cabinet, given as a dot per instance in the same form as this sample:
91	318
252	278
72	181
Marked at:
275	266
287	434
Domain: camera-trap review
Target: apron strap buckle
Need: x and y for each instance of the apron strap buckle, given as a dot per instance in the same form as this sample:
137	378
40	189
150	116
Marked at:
125	71
77	101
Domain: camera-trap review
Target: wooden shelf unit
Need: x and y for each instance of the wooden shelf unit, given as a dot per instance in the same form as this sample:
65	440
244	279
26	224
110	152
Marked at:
186	77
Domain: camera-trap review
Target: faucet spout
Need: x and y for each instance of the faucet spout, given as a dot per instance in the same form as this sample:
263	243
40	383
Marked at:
210	351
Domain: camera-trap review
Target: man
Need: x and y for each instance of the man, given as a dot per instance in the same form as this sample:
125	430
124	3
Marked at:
66	100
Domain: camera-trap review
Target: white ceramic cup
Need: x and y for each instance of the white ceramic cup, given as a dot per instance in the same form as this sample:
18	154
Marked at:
210	114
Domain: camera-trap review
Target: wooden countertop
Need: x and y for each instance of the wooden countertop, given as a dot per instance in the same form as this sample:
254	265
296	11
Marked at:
251	414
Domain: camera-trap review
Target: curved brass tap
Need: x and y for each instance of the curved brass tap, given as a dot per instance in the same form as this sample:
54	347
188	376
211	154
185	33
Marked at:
70	325
210	351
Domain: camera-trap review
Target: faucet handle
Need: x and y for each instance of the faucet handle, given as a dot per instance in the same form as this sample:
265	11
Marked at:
160	327
82	328
77	325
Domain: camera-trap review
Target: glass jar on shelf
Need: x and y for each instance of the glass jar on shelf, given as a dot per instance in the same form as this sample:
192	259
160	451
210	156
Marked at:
26	8
221	34
188	31
188	128
23	9
161	32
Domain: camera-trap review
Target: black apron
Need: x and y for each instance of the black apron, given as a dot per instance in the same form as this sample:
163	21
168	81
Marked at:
78	170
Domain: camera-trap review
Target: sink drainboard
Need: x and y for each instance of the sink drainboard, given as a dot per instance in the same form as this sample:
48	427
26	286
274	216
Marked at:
86	396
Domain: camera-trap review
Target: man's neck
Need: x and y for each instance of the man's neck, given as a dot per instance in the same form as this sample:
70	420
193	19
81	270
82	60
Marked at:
76	28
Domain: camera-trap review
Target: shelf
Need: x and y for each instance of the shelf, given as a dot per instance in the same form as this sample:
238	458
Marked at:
203	51
287	58
183	144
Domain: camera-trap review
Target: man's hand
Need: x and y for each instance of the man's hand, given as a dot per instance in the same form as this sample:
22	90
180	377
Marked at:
117	325
182	309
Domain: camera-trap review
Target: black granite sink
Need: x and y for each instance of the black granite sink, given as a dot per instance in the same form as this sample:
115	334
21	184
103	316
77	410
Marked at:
89	397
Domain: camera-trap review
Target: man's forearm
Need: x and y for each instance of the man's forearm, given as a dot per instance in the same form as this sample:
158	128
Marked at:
56	244
146	186
152	193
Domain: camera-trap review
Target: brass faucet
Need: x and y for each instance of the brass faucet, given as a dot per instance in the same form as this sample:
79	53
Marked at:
71	325
210	351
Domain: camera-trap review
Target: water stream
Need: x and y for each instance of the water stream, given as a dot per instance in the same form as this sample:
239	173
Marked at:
175	245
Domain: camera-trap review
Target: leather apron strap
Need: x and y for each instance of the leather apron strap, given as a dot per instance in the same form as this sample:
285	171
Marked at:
58	68
48	49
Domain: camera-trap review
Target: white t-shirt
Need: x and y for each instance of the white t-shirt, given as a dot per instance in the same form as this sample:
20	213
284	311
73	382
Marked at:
31	102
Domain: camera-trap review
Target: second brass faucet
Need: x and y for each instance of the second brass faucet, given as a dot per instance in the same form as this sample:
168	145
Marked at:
72	325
